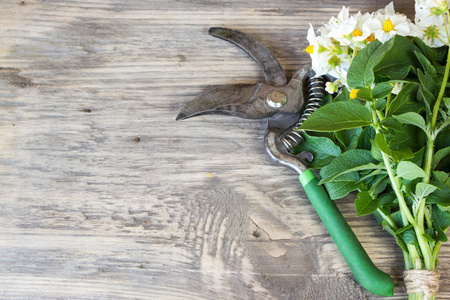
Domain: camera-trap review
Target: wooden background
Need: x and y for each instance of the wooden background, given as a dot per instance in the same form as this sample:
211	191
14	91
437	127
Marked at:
105	196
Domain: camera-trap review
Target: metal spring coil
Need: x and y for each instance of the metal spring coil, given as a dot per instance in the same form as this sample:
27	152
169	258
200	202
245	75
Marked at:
316	92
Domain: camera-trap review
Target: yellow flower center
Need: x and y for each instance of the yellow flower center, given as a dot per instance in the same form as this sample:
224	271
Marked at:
370	38
387	26
353	93
310	49
356	33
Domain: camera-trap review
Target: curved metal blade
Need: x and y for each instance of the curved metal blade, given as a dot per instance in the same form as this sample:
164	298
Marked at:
244	100
271	67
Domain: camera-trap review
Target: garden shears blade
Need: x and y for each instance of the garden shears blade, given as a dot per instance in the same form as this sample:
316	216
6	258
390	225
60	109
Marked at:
286	104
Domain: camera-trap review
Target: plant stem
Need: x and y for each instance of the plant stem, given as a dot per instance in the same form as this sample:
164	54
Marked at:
405	213
428	159
429	254
416	297
437	248
407	217
388	219
444	83
424	244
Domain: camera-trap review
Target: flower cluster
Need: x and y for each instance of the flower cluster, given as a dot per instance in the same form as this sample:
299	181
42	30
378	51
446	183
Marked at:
338	41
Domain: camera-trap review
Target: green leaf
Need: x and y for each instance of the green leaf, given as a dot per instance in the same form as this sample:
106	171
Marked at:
412	137
429	100
400	154
441	176
407	93
393	124
338	116
403	229
441	54
380	104
365	93
441	217
443	125
412	118
322	148
428	238
418	157
440	196
349	137
379	185
409	171
381	90
439	155
432	233
344	95
427	81
397	219
443	139
398	58
409	237
389	199
375	151
382	144
364	138
397	154
352	160
360	73
409	186
428	52
417	107
340	189
342	185
369	166
424	189
441	235
369	176
427	66
365	204
398	237
446	102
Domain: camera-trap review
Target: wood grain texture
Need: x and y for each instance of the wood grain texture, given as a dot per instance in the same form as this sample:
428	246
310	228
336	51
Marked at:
105	196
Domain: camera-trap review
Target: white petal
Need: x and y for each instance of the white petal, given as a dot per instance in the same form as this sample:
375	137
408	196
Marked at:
311	36
343	14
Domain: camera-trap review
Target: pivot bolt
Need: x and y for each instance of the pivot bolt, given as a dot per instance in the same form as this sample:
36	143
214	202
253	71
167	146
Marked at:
276	98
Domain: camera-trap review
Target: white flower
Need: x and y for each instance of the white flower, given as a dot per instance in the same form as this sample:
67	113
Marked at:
342	27
361	34
387	23
430	21
326	57
434	36
387	10
333	87
349	30
434	4
397	88
427	15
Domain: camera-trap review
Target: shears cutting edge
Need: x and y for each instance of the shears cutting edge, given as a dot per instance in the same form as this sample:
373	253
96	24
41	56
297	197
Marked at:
286	105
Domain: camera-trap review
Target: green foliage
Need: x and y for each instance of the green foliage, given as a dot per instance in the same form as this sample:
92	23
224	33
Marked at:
322	148
360	73
406	95
409	171
392	149
338	116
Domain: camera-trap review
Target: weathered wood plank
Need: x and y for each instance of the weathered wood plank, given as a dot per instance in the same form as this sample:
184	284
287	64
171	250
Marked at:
105	196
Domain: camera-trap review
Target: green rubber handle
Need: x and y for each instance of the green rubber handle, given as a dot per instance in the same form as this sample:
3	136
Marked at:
367	274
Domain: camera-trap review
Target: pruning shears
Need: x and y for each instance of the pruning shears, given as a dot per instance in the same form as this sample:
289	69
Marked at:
286	104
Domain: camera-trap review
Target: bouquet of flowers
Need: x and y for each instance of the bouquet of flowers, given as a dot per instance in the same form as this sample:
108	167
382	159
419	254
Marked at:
384	132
